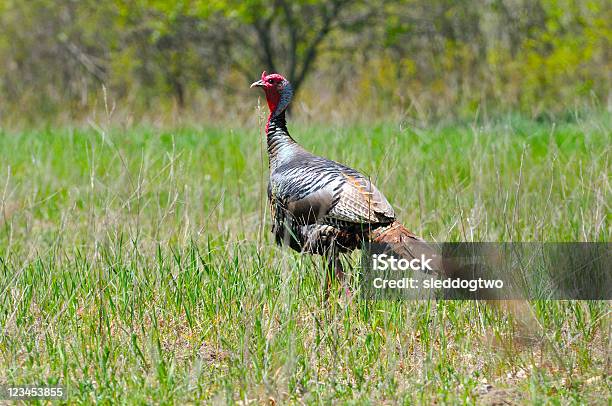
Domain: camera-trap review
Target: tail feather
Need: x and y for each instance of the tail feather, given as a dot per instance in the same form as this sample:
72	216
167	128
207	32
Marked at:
394	233
397	240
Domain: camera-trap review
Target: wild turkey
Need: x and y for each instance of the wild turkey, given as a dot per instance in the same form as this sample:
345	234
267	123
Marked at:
323	207
320	206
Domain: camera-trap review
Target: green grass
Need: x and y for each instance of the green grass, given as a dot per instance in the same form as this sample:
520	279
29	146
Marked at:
137	266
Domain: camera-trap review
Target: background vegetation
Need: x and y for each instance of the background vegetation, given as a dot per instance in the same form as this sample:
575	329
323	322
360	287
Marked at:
419	59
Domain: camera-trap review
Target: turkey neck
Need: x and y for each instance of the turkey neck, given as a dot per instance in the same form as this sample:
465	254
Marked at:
281	147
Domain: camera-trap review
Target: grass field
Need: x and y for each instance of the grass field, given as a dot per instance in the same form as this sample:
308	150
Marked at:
136	265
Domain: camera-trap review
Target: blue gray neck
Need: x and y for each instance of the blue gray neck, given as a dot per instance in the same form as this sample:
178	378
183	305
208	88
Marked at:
285	98
281	146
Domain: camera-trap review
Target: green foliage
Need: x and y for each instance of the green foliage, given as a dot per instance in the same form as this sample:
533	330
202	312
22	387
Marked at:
136	266
541	57
425	59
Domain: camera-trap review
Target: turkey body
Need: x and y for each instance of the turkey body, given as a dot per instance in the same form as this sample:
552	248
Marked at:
318	205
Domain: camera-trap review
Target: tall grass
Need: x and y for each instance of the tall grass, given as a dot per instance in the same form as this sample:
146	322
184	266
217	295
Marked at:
136	266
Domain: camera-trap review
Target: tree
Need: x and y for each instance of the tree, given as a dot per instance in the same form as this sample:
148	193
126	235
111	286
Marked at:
286	36
171	44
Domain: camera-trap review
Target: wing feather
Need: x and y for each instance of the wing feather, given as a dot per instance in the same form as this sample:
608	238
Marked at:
316	189
361	202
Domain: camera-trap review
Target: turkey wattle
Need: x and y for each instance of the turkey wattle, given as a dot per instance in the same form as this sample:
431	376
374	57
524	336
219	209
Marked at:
320	206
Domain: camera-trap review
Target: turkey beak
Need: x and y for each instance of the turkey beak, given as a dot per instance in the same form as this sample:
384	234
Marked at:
259	83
